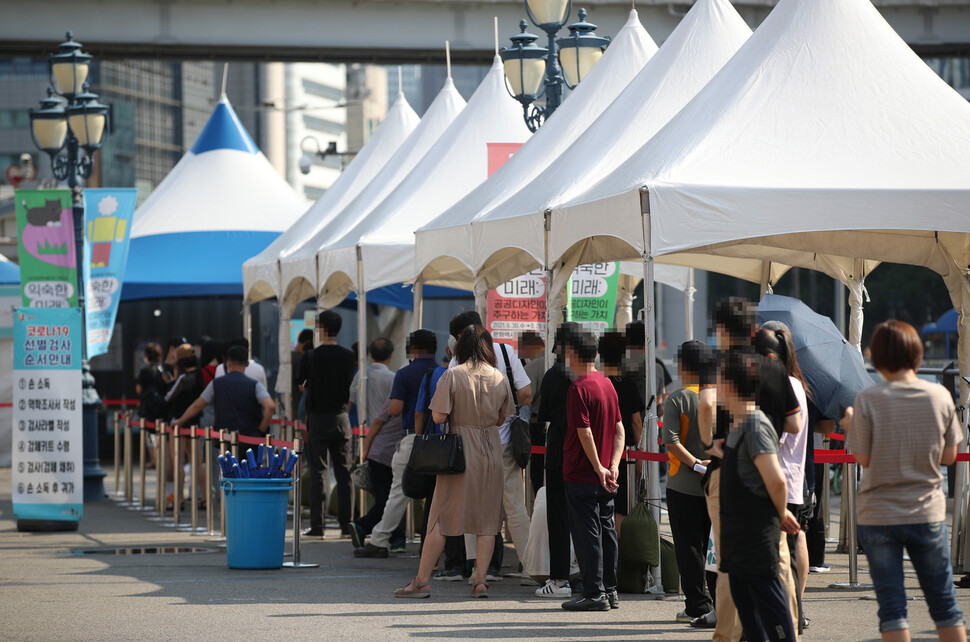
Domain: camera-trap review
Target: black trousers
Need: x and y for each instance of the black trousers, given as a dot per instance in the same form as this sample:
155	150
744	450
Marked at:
594	536
329	433
690	526
558	523
762	608
381	477
815	537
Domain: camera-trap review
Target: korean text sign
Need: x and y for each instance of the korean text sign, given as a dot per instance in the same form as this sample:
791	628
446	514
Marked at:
107	230
592	295
47	431
517	306
48	265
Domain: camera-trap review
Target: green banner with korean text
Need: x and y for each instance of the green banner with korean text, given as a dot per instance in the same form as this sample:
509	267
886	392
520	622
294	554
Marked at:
47	253
591	298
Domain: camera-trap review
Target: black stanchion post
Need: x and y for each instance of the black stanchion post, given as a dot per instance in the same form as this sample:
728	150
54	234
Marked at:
297	512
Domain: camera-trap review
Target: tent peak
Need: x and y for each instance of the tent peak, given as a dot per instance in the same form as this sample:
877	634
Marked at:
224	130
634	18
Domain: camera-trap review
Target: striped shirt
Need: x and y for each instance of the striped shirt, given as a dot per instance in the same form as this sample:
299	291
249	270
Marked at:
903	426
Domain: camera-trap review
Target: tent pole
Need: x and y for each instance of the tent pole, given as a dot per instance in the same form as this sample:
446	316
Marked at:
689	306
417	317
649	318
551	319
284	379
765	278
958	535
361	342
856	293
248	324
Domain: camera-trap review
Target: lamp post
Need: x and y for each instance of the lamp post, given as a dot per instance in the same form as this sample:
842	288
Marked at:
75	126
530	68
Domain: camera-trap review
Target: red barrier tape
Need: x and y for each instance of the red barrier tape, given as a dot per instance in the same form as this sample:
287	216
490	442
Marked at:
837	436
6	405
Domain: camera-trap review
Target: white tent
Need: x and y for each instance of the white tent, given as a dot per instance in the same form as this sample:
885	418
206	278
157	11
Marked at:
705	39
443	247
261	277
299	269
221	204
825	120
379	250
824	138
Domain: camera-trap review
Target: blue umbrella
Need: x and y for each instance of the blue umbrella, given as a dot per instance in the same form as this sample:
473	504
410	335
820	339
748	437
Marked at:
834	369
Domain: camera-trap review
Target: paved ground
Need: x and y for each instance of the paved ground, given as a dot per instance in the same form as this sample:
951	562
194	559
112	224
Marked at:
49	592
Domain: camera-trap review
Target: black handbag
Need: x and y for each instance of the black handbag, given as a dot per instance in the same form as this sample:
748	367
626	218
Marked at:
417	485
437	454
521	434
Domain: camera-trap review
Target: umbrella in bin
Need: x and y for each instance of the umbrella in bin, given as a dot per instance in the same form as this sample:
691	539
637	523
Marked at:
833	368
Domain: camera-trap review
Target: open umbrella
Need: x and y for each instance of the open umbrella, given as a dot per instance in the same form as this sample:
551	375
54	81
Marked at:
834	369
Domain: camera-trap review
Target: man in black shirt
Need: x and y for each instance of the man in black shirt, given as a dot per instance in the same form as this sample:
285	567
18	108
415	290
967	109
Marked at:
552	412
330	370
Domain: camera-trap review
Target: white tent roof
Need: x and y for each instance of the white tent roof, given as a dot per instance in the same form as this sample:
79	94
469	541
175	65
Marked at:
702	43
452	168
261	277
825	120
298	270
443	247
223	202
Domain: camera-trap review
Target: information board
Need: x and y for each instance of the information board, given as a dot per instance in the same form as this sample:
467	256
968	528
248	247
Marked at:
47	435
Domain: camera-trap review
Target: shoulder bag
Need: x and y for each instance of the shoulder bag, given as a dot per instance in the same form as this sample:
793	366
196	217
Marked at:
521	437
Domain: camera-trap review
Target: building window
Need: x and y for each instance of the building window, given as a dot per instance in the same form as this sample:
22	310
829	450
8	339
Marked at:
954	70
323	125
322	91
14	119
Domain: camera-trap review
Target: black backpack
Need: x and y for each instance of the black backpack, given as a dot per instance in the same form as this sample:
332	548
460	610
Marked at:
153	398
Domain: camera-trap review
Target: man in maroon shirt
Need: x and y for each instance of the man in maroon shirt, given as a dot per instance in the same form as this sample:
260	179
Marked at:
591	461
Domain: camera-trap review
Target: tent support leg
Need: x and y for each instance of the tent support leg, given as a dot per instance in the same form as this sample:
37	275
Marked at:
417	317
689	306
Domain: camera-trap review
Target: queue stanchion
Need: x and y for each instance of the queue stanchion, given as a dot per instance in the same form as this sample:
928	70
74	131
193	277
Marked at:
193	526
207	493
161	459
119	493
631	476
224	445
127	482
848	497
297	511
142	472
177	469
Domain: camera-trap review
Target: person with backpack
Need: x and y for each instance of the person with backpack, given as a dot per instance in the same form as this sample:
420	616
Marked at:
188	387
150	387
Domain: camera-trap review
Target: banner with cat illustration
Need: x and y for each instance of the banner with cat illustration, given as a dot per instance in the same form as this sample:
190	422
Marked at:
107	230
48	261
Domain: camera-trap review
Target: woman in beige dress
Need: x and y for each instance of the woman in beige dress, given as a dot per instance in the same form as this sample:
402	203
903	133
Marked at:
475	397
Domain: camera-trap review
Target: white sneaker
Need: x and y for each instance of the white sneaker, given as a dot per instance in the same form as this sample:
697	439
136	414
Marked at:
552	589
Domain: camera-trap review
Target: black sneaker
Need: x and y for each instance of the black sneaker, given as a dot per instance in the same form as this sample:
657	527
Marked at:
356	535
312	532
598	603
613	598
369	550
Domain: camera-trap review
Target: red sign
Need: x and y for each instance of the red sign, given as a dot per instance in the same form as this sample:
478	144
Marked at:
498	153
517	306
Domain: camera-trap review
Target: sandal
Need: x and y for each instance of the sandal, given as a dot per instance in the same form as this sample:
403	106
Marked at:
477	592
414	590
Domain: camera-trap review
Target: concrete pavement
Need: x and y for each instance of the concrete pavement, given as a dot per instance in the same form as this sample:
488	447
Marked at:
49	592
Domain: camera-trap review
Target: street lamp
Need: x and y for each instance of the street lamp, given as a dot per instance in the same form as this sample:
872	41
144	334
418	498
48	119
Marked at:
75	126
306	159
529	67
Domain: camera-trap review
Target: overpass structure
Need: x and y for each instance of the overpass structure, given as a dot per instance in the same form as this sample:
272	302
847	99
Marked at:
378	31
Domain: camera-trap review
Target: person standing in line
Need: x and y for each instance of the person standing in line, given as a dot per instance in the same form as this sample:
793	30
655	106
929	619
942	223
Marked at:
330	369
591	459
304	343
242	404
513	500
735	325
379	380
422	346
774	341
901	432
552	416
754	508
690	524
186	389
475	398
612	346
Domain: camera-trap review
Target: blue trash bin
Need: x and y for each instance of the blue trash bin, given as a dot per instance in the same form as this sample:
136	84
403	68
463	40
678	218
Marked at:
255	521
